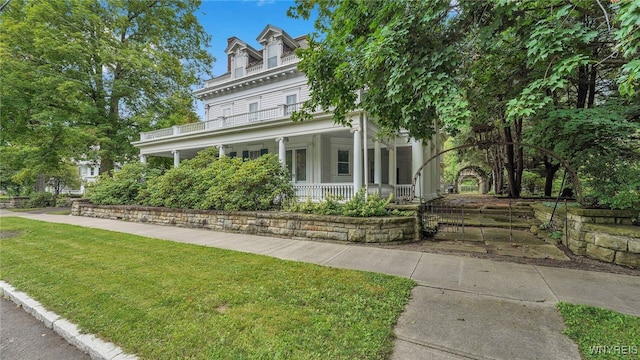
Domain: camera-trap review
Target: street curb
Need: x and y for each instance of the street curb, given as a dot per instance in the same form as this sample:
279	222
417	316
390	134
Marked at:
97	348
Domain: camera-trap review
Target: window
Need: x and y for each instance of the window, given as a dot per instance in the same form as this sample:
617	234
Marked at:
226	112
253	154
239	70
343	162
91	171
253	111
291	104
272	56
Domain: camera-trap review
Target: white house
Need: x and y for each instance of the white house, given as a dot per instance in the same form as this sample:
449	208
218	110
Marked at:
247	114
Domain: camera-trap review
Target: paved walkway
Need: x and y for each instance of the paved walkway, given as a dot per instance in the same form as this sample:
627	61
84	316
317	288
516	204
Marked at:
462	308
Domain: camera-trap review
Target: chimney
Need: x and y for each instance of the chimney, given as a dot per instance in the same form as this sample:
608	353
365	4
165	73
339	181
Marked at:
229	41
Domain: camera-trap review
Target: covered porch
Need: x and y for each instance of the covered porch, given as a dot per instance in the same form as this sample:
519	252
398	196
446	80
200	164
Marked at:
323	159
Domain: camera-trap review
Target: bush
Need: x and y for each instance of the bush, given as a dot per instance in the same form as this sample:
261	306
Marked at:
182	187
358	206
41	199
259	184
125	185
208	183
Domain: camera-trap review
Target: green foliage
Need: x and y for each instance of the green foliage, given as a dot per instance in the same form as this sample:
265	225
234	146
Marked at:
86	73
603	145
532	182
403	53
596	329
41	199
210	183
124	186
259	184
357	206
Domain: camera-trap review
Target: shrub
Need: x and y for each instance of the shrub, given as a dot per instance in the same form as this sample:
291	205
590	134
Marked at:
125	185
208	183
179	188
358	206
41	199
259	184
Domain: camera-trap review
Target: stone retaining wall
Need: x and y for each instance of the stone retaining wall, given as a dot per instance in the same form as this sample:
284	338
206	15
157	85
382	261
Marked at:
269	223
606	235
16	202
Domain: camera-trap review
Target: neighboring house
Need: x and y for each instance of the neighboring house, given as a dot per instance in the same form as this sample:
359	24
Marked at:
247	114
87	172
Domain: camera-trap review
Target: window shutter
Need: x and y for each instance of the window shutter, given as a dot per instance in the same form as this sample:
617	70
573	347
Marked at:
264	151
245	155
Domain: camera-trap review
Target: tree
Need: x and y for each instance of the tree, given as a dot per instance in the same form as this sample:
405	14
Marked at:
403	54
78	74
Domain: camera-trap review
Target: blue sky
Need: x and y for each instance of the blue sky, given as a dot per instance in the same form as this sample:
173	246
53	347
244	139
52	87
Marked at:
244	19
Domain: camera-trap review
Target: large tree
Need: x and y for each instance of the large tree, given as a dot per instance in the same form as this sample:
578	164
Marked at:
502	64
85	76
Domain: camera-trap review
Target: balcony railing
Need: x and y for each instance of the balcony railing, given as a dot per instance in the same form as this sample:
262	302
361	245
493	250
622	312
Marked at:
284	60
259	116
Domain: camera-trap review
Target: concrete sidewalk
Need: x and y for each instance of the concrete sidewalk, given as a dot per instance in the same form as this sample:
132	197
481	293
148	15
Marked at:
462	307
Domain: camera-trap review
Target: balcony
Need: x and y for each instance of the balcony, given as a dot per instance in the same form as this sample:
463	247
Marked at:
238	120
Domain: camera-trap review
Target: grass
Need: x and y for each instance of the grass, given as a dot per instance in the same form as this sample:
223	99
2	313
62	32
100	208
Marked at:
165	300
601	333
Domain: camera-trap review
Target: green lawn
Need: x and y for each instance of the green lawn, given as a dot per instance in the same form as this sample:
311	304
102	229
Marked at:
602	333
164	300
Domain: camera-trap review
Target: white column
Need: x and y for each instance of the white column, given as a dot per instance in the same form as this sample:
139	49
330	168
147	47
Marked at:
143	158
282	151
357	159
176	158
392	165
417	159
377	162
221	151
427	173
435	167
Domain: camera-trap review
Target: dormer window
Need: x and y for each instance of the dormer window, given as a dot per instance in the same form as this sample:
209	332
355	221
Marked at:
239	71
272	56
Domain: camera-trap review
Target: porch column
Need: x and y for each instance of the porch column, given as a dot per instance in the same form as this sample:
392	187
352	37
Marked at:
143	158
377	162
417	159
427	179
221	151
435	166
282	152
357	159
176	158
392	165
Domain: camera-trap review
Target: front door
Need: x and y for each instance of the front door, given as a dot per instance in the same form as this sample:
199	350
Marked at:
297	165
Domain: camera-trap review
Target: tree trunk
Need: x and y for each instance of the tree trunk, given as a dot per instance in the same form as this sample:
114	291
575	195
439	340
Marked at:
512	164
550	170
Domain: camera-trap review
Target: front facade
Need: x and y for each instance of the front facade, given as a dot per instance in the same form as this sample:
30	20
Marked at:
247	114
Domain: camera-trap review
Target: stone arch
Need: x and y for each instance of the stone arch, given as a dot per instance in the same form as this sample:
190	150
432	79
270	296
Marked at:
476	172
486	144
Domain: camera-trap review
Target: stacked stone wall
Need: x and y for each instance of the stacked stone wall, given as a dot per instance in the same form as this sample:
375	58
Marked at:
281	224
16	202
606	235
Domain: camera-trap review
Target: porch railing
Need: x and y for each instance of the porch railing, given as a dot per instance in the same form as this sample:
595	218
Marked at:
224	122
318	192
344	191
403	191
